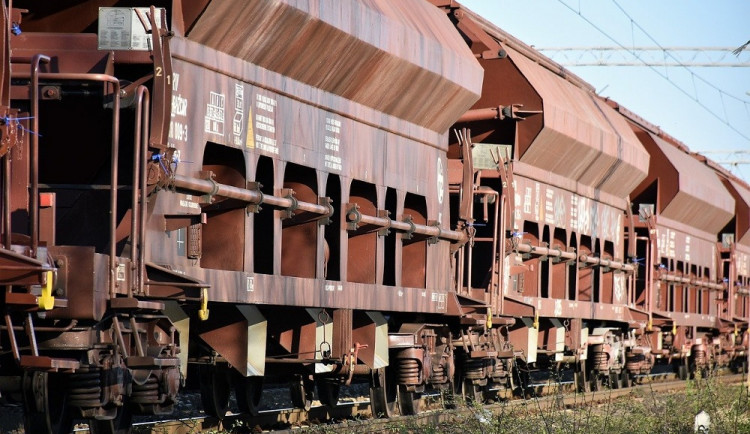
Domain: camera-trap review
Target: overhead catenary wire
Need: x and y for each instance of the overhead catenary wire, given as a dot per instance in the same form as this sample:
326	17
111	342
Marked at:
668	53
695	97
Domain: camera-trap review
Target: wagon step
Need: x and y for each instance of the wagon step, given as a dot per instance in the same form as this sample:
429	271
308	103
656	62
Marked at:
134	303
24	299
44	363
135	362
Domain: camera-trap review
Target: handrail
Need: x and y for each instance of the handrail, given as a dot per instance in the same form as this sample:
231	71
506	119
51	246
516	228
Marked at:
115	144
607	263
353	215
255	197
34	151
555	252
673	278
143	98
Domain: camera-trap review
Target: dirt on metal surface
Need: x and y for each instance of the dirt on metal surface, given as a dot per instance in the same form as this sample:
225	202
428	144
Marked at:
373	65
741	196
567	130
689	192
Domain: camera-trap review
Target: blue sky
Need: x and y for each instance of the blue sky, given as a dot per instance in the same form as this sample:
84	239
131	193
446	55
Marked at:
672	23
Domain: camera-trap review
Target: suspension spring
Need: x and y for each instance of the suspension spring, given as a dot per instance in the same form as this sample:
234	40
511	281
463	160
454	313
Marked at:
85	389
699	357
498	370
408	371
439	376
599	358
667	340
635	362
474	368
146	393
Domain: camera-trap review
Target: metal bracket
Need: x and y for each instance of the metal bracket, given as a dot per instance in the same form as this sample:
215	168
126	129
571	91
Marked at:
11	131
407	235
527	255
208	198
385	230
255	207
325	219
545	245
288	193
475	33
353	216
436	238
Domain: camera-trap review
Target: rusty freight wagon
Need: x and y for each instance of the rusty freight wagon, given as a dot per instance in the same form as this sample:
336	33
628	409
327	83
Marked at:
258	189
228	193
578	274
562	268
689	212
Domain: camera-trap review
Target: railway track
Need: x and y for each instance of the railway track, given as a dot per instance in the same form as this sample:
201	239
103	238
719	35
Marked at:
356	414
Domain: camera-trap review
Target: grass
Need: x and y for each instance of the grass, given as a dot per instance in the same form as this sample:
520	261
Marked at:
643	412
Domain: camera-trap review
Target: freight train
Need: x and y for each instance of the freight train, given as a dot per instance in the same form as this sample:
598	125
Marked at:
231	192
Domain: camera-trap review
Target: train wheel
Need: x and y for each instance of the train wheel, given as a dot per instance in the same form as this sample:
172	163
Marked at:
249	391
42	414
595	381
625	379
121	424
301	391
471	392
382	394
408	402
448	396
614	380
693	372
328	391
215	390
582	383
682	371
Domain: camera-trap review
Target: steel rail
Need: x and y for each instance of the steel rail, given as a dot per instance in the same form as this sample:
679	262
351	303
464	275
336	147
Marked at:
553	395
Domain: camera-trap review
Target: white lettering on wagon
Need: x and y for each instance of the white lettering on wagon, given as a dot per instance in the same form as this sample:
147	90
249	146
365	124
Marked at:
239	112
214	119
440	299
332	144
263	135
179	105
178	127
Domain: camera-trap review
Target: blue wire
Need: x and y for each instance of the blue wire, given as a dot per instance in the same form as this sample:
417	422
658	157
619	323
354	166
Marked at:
159	158
7	120
29	131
